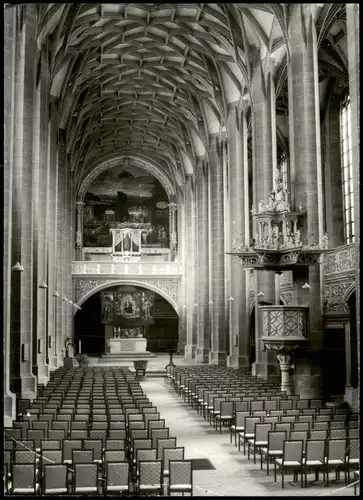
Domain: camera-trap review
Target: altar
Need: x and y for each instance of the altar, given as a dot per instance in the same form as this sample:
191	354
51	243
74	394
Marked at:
127	345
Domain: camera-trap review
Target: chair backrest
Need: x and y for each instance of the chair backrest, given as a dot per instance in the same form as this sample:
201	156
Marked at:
268	419
117	476
36	435
150	472
336	449
270	404
56	434
297	435
139	424
353	449
85	478
114	444
293	450
117	434
68	446
338	433
99	425
172	454
315	449
114	456
283	426
306	418
286	404
55	478
353	433
141	444
250	424
181	473
21	445
318	434
97	434
61	425
158	433
240	418
143	454
276	413
165	443
79	425
288	418
156	424
226	409
261	431
23	478
82	456
302	403
78	434
151	416
275	440
24	457
51	457
241	406
256	405
321	425
117	424
337	424
300	426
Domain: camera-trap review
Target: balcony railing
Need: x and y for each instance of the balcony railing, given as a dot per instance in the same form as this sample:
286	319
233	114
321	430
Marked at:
340	260
80	268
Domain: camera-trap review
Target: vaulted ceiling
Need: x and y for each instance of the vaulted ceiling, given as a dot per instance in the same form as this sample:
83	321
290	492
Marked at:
155	79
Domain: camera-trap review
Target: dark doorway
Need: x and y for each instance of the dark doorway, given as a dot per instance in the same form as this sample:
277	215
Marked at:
334	361
88	327
252	338
353	341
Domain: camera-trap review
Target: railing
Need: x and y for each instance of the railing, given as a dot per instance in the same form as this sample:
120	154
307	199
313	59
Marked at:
340	260
127	268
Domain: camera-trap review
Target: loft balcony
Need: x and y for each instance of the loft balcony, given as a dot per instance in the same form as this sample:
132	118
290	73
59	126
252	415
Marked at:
93	268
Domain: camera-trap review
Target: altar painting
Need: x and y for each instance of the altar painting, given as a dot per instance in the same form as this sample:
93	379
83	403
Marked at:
127	305
122	195
107	307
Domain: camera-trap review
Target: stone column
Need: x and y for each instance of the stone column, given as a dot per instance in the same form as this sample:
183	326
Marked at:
191	289
182	331
285	364
173	229
204	341
40	275
79	230
218	353
53	243
25	387
9	97
305	164
264	161
353	22
239	225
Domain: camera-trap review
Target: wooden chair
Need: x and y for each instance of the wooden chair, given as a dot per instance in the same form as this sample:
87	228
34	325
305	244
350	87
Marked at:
291	460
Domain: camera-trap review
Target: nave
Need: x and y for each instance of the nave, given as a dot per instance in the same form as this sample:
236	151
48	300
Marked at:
103	409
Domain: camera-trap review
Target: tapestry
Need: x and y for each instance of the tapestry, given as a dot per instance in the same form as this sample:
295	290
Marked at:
107	307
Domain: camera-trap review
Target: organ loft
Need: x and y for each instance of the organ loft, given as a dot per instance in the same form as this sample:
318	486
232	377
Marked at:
181	199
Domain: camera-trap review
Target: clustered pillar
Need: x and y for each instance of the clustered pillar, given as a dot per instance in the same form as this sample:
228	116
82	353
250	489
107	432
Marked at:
264	173
34	228
305	166
239	226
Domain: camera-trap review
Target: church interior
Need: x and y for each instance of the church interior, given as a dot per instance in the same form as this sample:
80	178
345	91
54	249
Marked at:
181	279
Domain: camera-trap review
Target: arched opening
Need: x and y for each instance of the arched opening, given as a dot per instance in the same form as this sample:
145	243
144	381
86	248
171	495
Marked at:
353	341
252	338
125	311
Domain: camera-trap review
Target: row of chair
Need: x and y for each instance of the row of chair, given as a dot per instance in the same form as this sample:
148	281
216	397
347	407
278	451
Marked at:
144	452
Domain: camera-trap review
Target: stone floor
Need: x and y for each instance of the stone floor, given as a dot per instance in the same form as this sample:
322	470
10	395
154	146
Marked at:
234	474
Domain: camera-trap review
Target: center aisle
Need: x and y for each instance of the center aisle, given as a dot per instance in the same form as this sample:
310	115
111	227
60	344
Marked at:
234	474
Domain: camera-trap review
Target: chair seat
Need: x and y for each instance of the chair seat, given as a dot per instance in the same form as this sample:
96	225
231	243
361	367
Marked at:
237	429
271	452
178	487
335	462
353	461
149	487
86	489
312	462
117	488
224	416
23	490
56	490
290	463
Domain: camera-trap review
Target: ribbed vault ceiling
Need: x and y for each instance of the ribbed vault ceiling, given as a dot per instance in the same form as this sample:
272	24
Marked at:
154	80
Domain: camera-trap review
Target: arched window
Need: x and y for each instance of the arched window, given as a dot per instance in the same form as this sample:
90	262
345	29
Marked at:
347	169
283	170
